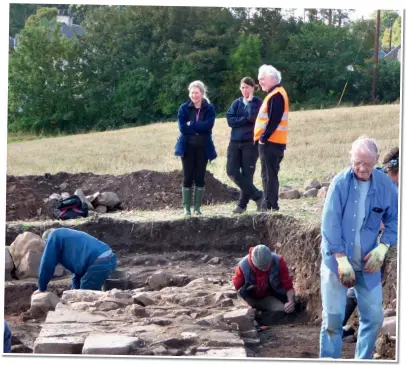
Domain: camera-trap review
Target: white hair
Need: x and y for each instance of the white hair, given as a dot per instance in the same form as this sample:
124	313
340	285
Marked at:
201	86
366	145
269	70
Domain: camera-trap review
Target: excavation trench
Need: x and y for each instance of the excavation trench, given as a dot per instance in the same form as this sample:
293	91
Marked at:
205	249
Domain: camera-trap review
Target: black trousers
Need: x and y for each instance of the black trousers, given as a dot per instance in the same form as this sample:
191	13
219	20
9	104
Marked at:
271	158
241	160
194	164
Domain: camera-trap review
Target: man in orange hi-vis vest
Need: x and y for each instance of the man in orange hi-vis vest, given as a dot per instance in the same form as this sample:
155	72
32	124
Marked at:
271	132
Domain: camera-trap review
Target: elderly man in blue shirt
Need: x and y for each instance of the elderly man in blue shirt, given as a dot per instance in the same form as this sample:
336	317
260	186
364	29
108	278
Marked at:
359	198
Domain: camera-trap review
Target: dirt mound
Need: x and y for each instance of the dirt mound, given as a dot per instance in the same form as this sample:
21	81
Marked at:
143	190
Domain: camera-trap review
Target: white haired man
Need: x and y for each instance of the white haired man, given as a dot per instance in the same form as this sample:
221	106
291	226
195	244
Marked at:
359	198
271	132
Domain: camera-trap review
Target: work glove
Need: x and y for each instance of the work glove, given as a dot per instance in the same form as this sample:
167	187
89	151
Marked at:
375	258
345	272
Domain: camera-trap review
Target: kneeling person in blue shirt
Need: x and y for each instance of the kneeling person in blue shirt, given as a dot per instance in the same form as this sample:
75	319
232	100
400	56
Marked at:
89	260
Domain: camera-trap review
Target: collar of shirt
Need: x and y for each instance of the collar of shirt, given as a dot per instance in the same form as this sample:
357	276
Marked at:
274	87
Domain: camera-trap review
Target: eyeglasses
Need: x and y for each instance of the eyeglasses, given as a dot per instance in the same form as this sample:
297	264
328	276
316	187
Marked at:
360	163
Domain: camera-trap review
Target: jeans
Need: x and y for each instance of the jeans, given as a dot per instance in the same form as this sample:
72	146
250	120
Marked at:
334	296
7	338
241	160
95	275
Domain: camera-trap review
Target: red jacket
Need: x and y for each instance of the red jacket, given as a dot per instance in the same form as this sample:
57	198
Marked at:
261	277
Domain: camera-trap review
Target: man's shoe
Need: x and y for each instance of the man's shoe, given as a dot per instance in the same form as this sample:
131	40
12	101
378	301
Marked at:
238	210
349	335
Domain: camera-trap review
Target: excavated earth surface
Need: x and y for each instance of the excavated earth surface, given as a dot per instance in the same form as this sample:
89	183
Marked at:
141	190
196	313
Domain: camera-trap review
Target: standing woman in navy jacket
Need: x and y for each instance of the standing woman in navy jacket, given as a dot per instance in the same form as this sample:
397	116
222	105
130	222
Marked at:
195	145
242	153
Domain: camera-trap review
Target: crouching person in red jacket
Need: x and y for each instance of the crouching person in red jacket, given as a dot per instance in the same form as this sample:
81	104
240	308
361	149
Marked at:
263	281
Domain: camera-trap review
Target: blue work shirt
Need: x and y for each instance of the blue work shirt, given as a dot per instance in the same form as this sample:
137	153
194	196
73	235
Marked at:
75	250
7	338
339	218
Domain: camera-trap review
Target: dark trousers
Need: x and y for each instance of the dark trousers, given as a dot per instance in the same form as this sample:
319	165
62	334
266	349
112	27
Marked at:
271	158
194	164
241	160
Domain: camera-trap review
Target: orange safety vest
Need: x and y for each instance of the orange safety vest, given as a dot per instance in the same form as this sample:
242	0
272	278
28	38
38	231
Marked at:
281	133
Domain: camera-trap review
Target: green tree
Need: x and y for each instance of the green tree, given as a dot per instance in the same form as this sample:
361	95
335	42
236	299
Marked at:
388	17
18	16
319	56
43	16
244	61
44	79
396	35
364	31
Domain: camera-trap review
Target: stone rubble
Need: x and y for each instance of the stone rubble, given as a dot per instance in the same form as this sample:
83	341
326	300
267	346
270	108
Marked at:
312	188
26	253
173	321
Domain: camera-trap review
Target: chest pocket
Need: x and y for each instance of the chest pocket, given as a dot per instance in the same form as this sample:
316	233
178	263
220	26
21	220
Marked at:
374	218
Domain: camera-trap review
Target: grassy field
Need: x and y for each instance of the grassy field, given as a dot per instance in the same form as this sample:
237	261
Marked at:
319	141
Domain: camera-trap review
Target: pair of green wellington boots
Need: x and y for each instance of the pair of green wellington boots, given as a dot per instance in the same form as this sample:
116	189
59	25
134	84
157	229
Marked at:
187	199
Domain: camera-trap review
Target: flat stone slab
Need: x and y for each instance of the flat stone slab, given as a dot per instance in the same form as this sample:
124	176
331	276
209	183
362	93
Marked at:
243	317
110	344
224	339
115	323
59	345
235	352
70	316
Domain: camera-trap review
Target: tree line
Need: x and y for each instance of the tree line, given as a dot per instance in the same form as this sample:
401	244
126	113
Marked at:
133	64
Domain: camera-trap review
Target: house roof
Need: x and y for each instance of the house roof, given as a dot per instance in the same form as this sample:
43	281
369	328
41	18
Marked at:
69	32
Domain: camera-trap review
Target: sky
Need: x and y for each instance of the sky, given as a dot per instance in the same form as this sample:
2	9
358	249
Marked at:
358	14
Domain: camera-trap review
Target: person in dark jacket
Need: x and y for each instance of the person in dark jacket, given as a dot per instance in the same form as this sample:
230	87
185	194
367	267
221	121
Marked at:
195	145
271	132
262	279
89	260
7	338
242	153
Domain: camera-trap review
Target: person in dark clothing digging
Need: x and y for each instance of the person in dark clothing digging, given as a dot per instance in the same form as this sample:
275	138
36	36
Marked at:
242	153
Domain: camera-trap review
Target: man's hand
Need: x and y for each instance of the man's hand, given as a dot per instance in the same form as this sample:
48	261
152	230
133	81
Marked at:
345	272
375	258
289	307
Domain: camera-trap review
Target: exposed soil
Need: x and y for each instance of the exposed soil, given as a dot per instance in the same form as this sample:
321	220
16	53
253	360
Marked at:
295	341
142	190
187	247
